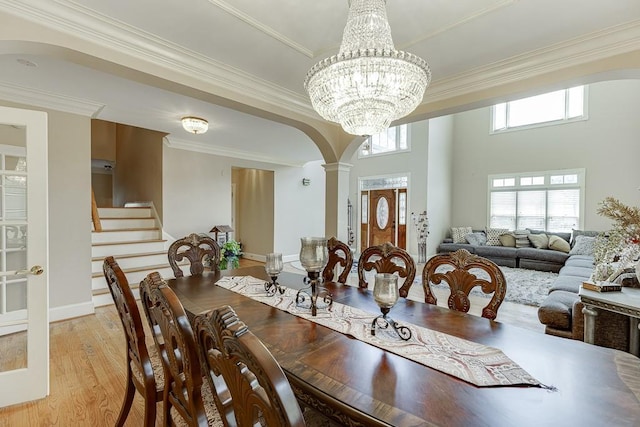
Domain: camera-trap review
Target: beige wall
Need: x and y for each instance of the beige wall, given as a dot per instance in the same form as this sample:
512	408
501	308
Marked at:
137	175
103	140
102	185
69	210
606	145
255	210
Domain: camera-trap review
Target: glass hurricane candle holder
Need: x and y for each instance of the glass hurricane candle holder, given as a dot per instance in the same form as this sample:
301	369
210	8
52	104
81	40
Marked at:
385	293
273	266
314	256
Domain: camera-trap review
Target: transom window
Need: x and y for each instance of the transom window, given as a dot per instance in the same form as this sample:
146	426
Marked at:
393	140
550	201
549	108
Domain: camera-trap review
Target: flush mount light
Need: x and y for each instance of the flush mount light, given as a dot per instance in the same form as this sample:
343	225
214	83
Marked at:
195	124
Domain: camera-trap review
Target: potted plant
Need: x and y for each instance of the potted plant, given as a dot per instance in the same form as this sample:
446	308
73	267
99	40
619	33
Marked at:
230	253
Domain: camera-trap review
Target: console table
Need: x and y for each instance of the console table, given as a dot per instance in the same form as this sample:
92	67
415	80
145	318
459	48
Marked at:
626	302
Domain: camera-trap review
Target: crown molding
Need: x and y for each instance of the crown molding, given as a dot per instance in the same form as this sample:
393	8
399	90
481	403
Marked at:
617	40
77	20
207	148
48	100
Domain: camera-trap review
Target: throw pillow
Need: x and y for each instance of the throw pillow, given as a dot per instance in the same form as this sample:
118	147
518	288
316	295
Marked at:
583	246
508	240
576	233
476	238
557	243
458	233
522	238
493	236
539	241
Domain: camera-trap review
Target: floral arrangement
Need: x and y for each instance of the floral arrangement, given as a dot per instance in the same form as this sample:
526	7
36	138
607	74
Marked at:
421	223
622	243
230	252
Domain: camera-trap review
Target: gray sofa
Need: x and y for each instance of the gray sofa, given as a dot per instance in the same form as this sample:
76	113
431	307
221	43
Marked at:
529	257
561	311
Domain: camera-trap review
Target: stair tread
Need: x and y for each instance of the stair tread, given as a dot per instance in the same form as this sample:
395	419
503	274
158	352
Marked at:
125	218
137	269
128	242
131	255
129	229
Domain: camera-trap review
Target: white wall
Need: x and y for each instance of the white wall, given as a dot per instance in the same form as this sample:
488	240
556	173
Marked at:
606	145
299	210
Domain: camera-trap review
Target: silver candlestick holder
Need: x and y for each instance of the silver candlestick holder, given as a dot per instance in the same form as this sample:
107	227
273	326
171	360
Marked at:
273	266
314	256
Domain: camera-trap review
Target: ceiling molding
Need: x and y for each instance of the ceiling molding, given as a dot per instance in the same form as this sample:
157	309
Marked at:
464	20
207	148
262	28
592	47
79	21
48	100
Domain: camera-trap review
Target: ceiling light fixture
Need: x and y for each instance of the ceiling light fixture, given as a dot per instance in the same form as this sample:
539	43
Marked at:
195	125
369	83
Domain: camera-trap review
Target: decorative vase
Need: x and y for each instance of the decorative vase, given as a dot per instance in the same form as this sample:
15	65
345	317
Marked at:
422	252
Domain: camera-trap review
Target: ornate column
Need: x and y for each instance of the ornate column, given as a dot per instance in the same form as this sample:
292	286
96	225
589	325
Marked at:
336	196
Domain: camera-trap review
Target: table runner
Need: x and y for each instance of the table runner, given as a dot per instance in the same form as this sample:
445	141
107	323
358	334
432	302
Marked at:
474	363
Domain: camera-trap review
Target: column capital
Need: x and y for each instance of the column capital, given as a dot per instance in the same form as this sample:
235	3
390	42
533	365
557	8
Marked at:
338	166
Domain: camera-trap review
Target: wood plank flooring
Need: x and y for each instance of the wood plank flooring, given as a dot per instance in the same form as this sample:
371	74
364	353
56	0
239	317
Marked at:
88	369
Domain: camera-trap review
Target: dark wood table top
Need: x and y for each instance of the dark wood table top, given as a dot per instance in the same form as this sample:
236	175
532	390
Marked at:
595	385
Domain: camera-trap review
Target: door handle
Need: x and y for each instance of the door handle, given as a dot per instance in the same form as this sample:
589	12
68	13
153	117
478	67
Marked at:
36	270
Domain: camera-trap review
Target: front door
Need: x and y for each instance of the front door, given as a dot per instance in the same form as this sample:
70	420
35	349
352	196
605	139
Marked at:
382	217
24	318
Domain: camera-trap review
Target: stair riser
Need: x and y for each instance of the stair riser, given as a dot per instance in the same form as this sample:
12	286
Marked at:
122	223
107	299
127	263
124	236
134	278
124	212
126	248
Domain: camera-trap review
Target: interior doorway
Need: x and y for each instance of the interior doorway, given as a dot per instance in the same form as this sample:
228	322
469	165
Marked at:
383	211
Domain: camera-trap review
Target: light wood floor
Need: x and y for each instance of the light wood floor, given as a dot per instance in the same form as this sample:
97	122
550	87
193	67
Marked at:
88	370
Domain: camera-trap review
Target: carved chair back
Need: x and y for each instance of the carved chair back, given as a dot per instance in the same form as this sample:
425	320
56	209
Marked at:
177	346
486	274
198	249
140	371
387	258
237	359
339	254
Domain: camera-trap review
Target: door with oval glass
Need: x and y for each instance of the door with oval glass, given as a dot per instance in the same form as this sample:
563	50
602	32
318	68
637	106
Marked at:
382	217
24	320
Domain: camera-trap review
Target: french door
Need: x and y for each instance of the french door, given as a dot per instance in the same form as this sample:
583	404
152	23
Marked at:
384	213
24	290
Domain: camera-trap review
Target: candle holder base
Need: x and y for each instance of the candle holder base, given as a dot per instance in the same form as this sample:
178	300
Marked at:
273	287
383	322
313	292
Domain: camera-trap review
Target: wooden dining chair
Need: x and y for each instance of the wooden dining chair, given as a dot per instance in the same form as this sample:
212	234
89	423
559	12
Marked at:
183	395
339	255
199	250
456	273
387	258
144	369
241	367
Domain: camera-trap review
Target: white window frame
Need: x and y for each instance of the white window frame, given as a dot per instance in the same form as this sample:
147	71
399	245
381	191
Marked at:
361	155
515	178
566	119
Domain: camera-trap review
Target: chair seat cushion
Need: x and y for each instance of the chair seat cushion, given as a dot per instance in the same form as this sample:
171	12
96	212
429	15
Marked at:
543	255
556	309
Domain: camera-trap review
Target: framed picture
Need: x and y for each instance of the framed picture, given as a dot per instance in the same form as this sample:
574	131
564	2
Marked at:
222	239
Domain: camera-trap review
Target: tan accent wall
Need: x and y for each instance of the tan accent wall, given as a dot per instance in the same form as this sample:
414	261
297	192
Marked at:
255	209
102	184
103	140
137	176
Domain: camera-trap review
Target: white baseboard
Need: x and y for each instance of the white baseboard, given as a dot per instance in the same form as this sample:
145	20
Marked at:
70	311
254	257
290	258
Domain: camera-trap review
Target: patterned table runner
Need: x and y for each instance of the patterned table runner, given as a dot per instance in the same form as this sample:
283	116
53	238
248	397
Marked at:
474	363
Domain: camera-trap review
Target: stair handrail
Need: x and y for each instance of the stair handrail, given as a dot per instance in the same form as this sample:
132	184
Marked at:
95	217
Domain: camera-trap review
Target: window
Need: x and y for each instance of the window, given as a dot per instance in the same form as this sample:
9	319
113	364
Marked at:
393	140
549	201
549	108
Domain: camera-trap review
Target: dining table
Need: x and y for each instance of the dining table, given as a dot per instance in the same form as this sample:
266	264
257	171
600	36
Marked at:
359	384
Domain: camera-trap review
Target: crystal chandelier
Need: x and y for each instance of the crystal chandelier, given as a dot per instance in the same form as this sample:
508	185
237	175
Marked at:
369	83
195	124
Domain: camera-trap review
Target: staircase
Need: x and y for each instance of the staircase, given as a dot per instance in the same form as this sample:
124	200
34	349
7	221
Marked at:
133	237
